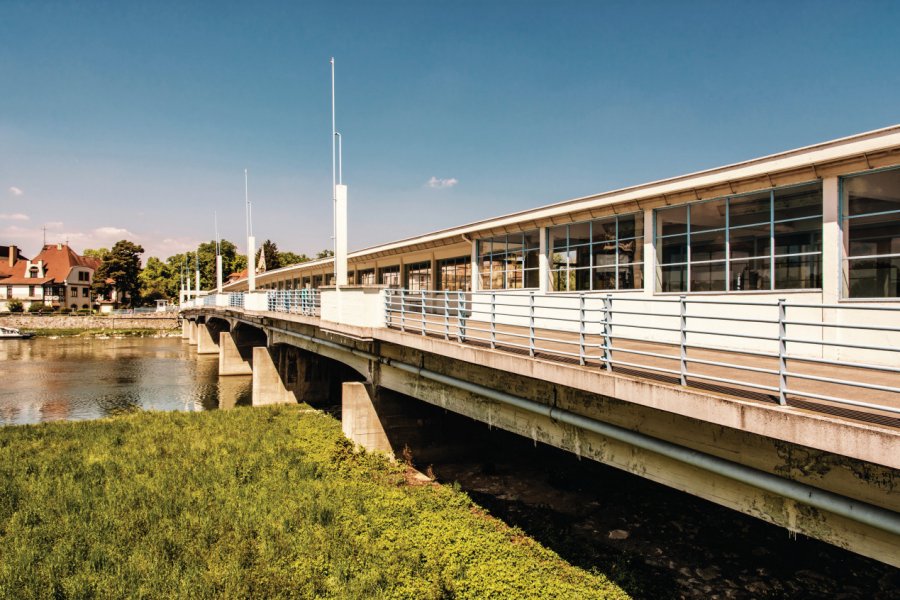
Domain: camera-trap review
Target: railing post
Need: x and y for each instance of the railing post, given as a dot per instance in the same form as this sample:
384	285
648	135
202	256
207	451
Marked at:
682	339
531	324
446	315
387	308
493	321
782	351
460	318
402	310
581	311
422	292
607	331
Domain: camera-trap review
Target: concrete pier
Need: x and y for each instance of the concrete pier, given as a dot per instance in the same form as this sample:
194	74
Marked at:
360	421
230	360
268	387
206	343
192	333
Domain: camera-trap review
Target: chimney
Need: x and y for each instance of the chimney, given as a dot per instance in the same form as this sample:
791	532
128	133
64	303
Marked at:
13	251
59	246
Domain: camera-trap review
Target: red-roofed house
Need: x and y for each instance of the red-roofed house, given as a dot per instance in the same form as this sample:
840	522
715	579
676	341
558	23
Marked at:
57	276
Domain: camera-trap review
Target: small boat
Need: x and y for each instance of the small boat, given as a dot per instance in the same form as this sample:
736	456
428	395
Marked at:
11	333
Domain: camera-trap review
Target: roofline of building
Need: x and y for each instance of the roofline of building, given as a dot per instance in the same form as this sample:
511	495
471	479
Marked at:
860	144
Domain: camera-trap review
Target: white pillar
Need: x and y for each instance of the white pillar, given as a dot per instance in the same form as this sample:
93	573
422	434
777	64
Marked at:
475	268
340	235
650	274
831	241
544	260
251	263
198	282
218	273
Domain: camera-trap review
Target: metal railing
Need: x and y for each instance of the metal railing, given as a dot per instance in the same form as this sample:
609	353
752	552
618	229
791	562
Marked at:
306	302
236	299
834	354
209	300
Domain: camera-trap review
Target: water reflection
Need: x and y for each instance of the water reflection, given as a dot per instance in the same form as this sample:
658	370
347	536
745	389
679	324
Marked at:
84	378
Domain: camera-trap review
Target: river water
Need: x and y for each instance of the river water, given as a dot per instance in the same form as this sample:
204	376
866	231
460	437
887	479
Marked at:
75	378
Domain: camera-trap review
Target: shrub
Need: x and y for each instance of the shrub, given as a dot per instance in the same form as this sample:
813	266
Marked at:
63	310
15	306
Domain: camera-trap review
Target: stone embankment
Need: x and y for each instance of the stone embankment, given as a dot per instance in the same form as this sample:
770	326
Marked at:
112	322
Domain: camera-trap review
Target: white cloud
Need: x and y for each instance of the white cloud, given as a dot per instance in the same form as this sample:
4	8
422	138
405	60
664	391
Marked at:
436	182
13	217
14	191
53	225
113	232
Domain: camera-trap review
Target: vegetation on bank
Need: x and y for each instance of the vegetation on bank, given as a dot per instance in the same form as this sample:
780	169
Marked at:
99	332
247	503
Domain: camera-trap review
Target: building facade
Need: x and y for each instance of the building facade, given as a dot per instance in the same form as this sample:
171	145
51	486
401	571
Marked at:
56	277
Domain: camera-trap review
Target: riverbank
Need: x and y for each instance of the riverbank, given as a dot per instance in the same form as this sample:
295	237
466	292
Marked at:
38	323
247	503
102	333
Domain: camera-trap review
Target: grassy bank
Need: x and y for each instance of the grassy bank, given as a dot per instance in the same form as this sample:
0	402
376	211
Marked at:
247	503
96	332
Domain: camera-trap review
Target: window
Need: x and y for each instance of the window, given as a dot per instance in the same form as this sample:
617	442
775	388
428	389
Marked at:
870	207
605	254
9	291
389	276
455	274
510	261
316	281
84	276
418	276
367	277
351	277
736	244
85	292
31	291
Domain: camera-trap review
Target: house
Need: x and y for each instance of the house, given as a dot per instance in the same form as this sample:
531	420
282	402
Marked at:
57	276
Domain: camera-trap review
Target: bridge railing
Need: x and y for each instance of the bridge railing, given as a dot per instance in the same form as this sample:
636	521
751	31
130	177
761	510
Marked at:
236	299
307	302
209	300
830	354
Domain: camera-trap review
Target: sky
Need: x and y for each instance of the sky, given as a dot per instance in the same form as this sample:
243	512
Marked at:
136	120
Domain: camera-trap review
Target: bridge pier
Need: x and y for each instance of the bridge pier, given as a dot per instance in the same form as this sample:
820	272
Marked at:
192	333
360	420
185	329
230	360
206	342
268	386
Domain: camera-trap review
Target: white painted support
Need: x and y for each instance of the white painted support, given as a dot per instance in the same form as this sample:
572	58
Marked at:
359	306
218	273
205	342
340	235
230	360
192	333
544	261
251	263
650	274
256	301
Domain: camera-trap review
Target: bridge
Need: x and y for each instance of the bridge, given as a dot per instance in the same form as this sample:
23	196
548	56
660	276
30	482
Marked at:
733	334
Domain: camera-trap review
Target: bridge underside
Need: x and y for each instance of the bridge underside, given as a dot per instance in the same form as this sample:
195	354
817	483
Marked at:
550	404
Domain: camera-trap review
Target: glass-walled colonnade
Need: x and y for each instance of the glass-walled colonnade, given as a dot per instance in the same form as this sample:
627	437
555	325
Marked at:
756	242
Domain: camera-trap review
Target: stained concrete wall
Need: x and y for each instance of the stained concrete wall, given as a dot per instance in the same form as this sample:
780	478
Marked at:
31	322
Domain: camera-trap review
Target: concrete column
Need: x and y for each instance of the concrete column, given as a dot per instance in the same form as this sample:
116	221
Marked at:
205	342
544	260
268	387
218	273
192	333
476	268
230	360
832	244
359	420
251	263
650	274
185	329
340	235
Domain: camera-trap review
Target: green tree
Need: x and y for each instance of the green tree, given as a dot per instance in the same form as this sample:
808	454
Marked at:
291	258
120	271
325	253
273	259
158	281
98	253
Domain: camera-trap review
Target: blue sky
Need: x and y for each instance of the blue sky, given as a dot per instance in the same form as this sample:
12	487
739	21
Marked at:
128	119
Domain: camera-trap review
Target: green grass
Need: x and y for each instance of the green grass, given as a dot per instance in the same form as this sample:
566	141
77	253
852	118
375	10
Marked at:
247	503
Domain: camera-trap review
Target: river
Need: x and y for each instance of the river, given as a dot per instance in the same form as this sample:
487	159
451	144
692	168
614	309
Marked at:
75	378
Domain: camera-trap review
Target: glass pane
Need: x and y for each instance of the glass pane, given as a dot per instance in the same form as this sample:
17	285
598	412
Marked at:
486	281
709	245
708	277
604	229
671	221
750	241
798	202
580	279
874	278
673	249
580	257
604	279
514	245
747	275
631	251
674	279
559	260
532	239
532	278
579	234
558	280
878	234
631	226
707	215
875	192
749	210
605	254
631	276
798	236
558	237
514	280
798	272
532	259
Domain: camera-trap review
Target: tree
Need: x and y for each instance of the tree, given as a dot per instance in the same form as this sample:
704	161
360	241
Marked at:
98	253
290	258
120	272
325	253
158	281
273	259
